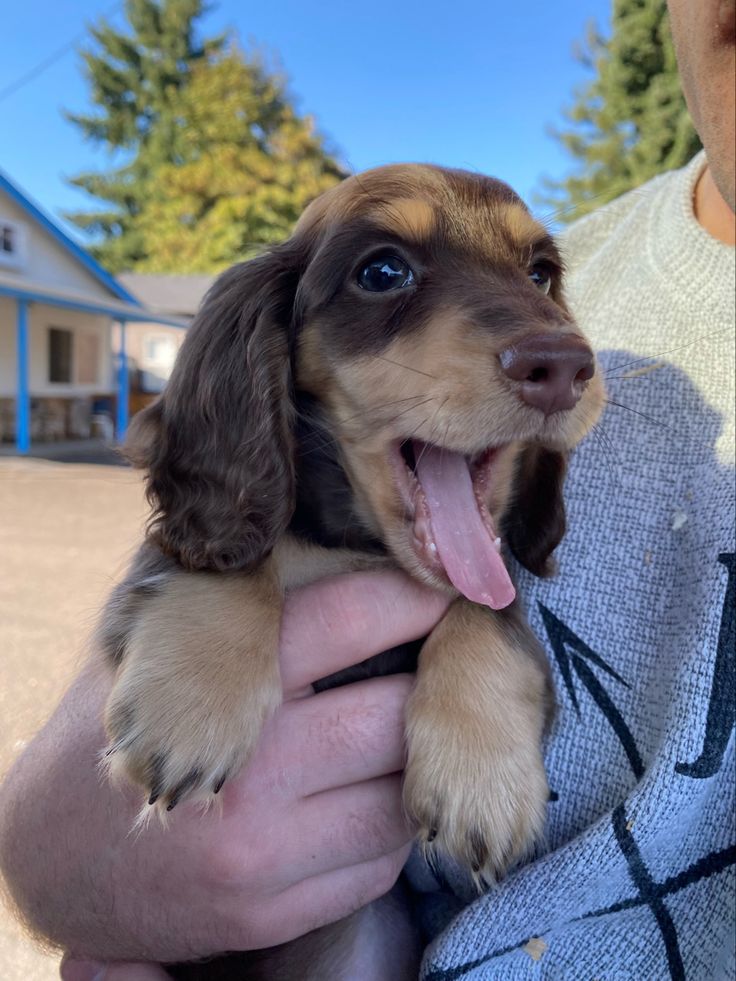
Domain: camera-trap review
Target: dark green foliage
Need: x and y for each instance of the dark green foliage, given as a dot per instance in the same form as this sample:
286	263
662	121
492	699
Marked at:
630	122
210	157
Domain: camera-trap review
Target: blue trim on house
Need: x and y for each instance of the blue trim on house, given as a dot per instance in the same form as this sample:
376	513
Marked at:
22	395
67	243
123	388
138	314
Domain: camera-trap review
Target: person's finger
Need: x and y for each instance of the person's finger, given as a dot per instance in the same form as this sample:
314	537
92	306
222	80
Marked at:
326	898
337	622
340	737
333	830
354	824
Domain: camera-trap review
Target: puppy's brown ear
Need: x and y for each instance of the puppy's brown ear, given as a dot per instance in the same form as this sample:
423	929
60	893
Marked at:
217	445
535	521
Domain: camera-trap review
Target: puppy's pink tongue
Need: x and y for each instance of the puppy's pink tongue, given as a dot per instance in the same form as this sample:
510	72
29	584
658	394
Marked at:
466	547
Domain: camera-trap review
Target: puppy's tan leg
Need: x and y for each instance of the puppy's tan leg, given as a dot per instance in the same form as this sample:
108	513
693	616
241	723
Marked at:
300	563
198	677
474	780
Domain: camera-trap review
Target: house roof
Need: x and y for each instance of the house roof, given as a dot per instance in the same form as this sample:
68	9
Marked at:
67	243
35	292
177	295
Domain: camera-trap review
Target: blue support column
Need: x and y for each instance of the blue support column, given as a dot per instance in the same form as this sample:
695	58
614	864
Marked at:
22	395
123	388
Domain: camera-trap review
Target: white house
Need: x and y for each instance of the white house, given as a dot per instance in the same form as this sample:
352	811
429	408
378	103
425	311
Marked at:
58	309
152	347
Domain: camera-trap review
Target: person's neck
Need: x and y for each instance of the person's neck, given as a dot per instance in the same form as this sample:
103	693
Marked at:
712	211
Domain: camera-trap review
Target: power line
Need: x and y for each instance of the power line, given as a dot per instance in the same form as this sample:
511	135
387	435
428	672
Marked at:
51	59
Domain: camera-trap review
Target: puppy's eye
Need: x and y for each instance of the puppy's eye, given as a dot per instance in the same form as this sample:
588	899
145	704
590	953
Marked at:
541	277
384	273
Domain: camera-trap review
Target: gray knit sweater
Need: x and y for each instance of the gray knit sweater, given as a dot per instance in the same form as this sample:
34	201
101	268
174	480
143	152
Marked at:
636	877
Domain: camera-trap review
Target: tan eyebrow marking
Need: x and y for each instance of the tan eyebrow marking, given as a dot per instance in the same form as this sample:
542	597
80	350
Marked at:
410	217
524	229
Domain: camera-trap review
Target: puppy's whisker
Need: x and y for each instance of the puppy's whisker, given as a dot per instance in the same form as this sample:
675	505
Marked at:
330	440
385	405
644	415
432	428
352	515
672	350
322	437
411	409
611	373
425	400
690	437
327	442
408	397
606	441
442	447
550	218
610	454
330	436
637	372
406	366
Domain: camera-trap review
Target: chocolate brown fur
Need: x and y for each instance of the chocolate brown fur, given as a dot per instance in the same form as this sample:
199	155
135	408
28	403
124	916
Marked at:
271	460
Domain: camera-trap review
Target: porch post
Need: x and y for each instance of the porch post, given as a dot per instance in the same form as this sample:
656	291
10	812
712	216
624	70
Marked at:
22	394
123	387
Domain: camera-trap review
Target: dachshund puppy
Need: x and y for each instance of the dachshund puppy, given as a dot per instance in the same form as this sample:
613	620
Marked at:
398	383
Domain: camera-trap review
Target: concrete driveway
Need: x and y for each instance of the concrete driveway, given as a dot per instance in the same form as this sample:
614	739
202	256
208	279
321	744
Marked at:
66	532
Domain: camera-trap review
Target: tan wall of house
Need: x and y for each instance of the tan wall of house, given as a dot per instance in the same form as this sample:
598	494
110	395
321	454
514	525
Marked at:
41	317
7	345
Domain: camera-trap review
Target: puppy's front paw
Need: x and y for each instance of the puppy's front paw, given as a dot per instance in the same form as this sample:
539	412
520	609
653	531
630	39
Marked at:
179	739
197	680
476	789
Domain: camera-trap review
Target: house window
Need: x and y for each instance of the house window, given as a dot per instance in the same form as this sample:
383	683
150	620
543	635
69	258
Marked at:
159	350
157	359
60	355
88	358
12	243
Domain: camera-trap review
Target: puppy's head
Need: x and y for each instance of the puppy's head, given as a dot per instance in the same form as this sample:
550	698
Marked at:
423	309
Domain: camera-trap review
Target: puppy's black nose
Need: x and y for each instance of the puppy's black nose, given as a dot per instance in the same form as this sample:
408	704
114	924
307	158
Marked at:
552	370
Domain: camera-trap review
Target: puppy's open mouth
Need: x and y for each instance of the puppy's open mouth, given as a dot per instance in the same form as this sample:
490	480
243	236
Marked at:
445	493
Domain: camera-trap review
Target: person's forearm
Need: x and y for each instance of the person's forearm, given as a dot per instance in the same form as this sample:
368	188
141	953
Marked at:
55	812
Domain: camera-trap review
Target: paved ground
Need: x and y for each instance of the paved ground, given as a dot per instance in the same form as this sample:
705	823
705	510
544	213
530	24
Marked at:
66	530
71	451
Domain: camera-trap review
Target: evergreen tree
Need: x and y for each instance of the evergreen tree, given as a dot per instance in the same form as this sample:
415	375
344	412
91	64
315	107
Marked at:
210	157
630	122
246	168
134	77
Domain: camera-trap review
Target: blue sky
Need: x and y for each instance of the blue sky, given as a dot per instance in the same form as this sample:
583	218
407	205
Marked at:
462	83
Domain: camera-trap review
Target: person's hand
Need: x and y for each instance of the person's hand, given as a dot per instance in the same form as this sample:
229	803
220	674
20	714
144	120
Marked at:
311	830
95	971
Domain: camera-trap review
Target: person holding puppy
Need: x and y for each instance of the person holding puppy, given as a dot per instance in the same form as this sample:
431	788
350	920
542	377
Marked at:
638	864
